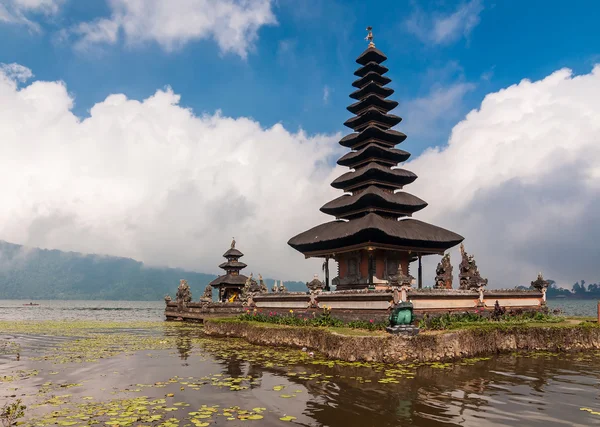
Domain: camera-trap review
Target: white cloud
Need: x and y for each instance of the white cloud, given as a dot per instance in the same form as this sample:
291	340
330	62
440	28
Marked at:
19	11
233	24
519	179
153	181
445	28
16	72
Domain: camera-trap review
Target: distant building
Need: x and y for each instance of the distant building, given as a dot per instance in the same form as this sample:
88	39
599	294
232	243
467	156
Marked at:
373	233
231	283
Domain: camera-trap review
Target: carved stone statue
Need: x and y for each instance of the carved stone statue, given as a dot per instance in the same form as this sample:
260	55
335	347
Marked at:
315	285
282	287
468	275
539	284
261	283
249	291
400	279
207	296
167	299
443	274
184	295
275	289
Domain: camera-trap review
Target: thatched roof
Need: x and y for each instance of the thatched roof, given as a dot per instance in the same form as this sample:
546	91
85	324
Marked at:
233	253
374	116
370	89
229	279
372	101
373	229
369	67
375	198
369	134
232	265
395	178
371	54
377	153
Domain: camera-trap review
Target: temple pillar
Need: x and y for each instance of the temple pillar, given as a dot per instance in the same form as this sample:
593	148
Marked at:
370	269
327	288
420	273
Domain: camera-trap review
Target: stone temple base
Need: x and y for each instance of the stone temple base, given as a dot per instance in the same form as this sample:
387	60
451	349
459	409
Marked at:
409	330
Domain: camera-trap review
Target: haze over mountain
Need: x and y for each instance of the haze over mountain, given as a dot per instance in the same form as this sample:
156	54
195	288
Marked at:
32	273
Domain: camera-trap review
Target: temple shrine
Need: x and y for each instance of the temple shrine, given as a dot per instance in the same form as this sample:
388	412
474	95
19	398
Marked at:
230	284
373	234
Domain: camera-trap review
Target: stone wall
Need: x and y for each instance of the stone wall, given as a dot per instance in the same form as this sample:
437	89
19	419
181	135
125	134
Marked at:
362	305
425	347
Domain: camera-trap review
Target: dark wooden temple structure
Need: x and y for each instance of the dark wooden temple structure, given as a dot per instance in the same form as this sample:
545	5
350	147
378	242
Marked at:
373	234
231	283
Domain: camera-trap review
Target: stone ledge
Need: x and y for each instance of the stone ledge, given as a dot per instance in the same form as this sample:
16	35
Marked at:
425	347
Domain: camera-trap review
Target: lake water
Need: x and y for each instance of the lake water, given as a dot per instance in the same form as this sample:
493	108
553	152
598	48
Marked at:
126	372
126	311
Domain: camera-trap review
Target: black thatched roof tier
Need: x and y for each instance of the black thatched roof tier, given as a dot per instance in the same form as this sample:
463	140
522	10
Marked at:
233	265
372	116
233	253
371	89
374	230
371	67
384	105
371	54
374	153
374	199
371	76
374	134
229	279
374	173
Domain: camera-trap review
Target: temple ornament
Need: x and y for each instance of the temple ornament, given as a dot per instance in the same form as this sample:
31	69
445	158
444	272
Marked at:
540	284
184	295
207	296
315	286
443	274
469	276
261	283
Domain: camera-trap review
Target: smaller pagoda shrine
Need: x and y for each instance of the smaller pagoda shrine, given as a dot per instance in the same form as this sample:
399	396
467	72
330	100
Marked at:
230	284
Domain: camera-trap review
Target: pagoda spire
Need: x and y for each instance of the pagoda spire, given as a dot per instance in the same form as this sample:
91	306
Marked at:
373	213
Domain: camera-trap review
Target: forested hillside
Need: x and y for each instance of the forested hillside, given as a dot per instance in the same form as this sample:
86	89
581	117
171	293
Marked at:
29	273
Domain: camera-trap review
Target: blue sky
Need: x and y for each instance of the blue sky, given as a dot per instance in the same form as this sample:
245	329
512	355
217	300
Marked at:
500	100
298	72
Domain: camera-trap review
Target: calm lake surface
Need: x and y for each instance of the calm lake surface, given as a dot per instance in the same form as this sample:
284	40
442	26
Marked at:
74	376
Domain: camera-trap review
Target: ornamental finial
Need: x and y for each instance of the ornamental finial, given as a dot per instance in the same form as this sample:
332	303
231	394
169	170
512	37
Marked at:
369	37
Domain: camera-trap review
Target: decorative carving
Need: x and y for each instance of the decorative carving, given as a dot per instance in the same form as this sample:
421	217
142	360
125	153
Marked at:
233	243
315	286
275	289
539	284
184	295
282	287
261	283
400	279
168	299
443	274
207	296
249	291
468	275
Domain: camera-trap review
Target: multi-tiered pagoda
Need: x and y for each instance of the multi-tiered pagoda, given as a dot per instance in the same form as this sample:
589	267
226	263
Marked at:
231	283
373	233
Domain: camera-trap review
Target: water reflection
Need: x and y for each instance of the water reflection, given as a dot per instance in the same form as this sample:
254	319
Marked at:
508	390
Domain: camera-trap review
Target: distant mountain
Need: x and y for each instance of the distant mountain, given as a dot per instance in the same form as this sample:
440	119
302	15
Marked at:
31	273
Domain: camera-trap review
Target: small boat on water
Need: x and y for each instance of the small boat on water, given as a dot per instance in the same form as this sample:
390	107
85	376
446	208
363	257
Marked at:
31	304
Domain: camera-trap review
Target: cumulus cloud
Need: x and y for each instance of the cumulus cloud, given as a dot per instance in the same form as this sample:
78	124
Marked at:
152	180
233	24
20	11
438	29
520	180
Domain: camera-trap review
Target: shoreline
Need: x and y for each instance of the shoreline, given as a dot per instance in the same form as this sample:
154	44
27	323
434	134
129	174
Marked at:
429	346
